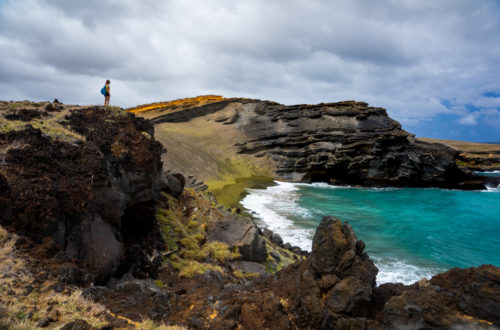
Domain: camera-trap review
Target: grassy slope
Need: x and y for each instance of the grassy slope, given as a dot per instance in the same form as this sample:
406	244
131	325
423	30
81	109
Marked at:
205	149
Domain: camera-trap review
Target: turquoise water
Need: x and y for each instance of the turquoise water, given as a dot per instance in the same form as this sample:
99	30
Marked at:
493	173
409	233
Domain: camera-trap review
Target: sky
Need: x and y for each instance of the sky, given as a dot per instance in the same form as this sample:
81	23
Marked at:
434	65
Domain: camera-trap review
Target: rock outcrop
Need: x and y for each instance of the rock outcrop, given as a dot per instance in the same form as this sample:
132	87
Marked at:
334	288
335	284
341	143
459	298
241	233
83	186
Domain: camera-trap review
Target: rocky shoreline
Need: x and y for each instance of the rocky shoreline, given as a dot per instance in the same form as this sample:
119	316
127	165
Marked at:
91	214
342	143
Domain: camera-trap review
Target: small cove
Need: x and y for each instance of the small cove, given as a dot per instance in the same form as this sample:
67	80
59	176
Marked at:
410	233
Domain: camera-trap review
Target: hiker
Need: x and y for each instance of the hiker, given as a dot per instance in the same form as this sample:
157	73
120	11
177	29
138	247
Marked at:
106	92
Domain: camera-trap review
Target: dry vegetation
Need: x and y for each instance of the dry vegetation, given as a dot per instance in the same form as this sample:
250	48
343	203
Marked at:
184	223
27	304
184	226
51	124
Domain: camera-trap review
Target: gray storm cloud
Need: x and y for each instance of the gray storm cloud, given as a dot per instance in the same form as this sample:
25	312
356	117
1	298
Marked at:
417	59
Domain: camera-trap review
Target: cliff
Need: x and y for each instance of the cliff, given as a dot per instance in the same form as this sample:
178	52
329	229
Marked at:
473	156
347	143
79	182
97	233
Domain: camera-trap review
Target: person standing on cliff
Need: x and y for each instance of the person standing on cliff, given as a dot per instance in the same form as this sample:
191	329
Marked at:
107	94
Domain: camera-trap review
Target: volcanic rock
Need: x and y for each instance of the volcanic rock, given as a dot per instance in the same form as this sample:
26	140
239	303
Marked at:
459	298
335	283
240	232
341	143
90	198
175	183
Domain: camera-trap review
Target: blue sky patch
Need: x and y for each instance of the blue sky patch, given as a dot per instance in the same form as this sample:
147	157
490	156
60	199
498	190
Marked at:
446	126
492	94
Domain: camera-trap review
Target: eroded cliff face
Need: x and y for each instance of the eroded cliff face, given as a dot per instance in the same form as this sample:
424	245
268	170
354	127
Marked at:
340	143
82	186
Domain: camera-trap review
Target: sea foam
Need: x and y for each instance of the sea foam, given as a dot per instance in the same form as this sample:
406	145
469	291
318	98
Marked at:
274	207
493	189
409	233
264	205
398	271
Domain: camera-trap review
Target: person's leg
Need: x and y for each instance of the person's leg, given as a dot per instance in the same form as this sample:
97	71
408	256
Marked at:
106	100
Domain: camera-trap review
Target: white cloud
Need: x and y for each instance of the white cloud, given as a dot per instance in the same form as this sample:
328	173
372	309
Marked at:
406	56
470	119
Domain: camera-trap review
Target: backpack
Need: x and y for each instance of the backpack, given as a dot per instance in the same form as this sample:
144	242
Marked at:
103	90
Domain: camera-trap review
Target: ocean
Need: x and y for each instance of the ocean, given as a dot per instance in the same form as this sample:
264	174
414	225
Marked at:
410	233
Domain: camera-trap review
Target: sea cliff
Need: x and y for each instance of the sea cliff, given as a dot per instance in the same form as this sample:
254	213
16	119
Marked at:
340	143
97	233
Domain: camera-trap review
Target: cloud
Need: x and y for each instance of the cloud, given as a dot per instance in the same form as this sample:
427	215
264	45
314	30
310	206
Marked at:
470	119
406	56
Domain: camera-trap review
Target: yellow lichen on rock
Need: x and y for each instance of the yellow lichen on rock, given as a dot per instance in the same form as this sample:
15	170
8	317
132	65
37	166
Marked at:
179	103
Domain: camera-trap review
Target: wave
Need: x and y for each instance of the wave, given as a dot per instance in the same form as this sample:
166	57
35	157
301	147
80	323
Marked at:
493	174
325	185
397	271
276	206
492	189
283	197
488	172
279	209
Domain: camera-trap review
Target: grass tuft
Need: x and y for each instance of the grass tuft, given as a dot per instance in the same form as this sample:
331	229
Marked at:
243	275
189	268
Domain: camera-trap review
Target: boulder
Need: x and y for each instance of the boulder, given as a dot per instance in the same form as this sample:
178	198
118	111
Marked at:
250	267
273	237
174	184
337	280
98	246
78	324
459	298
240	232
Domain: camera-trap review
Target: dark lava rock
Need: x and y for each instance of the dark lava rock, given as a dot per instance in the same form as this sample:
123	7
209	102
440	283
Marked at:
136	298
23	114
333	287
95	293
91	200
337	260
459	298
175	183
273	237
240	232
43	322
211	278
77	324
250	267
